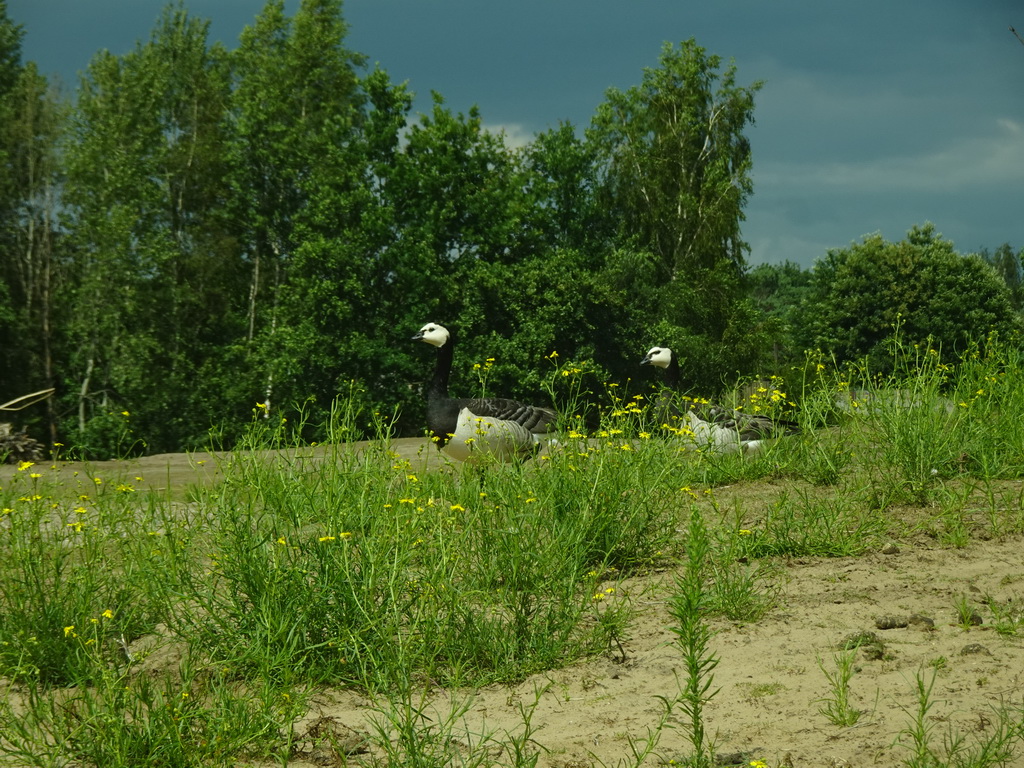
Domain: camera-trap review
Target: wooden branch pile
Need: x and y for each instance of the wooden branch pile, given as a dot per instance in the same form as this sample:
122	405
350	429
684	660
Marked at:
16	447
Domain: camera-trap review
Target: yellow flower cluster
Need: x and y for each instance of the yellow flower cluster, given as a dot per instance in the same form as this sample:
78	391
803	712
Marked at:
343	535
69	630
767	399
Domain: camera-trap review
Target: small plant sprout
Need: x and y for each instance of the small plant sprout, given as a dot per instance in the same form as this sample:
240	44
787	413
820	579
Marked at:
836	706
966	615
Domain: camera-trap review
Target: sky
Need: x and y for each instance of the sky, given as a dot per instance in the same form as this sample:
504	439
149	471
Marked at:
874	116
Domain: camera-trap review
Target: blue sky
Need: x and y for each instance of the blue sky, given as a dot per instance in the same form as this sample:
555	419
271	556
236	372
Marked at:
874	116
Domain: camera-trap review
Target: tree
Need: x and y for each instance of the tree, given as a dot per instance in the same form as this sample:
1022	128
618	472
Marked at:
675	163
154	256
861	294
295	100
31	119
674	173
1007	265
32	264
777	290
12	379
563	184
392	234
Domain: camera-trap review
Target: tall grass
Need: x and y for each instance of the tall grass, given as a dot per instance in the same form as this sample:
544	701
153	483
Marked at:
693	638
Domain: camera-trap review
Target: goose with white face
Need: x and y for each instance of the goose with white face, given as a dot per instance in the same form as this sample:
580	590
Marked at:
434	334
660	357
704	425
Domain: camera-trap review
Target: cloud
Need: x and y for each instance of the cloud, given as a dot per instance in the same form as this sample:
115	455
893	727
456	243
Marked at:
516	135
988	157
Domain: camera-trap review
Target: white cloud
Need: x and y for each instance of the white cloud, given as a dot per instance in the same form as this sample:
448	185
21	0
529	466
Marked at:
516	136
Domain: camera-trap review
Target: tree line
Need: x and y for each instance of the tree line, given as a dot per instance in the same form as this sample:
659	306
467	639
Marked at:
200	230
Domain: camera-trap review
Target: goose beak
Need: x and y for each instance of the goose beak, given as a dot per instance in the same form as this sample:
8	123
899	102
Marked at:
646	360
417	337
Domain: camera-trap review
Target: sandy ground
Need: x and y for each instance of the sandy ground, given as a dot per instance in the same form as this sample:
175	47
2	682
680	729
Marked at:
769	680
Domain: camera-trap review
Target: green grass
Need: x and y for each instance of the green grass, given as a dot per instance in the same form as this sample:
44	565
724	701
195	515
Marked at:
352	567
836	706
995	746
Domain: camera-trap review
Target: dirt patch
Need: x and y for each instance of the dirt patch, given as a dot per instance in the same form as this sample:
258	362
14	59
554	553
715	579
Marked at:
177	474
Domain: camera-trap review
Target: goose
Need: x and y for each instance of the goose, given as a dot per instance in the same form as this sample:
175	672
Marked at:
723	430
468	427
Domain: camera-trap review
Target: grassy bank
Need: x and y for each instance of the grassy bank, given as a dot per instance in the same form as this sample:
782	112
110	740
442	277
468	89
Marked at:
357	567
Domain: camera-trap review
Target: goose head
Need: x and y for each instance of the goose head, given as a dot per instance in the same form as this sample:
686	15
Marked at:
658	356
434	334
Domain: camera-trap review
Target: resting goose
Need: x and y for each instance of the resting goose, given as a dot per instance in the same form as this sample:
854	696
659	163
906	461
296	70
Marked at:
723	430
466	427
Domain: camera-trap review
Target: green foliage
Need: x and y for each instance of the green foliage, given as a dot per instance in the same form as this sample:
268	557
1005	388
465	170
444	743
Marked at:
200	719
373	574
933	294
1008	265
64	594
995	746
146	180
354	566
563	180
836	706
808	525
675	163
777	291
31	273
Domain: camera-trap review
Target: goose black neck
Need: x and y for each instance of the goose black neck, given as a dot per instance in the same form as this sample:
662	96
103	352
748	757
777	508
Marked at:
672	372
438	389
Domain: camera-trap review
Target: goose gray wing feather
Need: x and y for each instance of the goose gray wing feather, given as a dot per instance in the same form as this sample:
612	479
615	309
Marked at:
537	420
749	426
